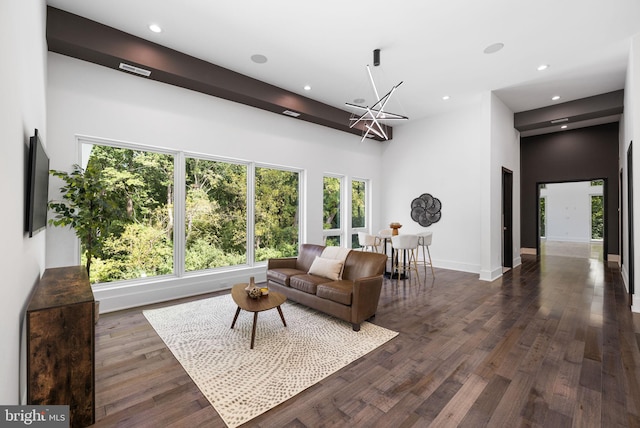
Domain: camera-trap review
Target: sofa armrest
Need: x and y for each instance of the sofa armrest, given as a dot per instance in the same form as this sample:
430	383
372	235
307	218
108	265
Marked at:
285	262
366	294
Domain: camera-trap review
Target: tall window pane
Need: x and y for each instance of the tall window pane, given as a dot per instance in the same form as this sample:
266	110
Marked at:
543	217
597	217
276	213
215	214
331	211
137	238
358	200
332	241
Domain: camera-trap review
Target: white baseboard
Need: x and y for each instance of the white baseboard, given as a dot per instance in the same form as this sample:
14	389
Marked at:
487	275
613	258
115	297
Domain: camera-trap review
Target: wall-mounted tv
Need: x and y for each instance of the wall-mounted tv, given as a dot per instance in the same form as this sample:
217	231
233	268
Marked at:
37	186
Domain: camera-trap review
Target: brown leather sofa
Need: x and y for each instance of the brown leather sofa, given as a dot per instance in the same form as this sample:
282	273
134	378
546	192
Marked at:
353	298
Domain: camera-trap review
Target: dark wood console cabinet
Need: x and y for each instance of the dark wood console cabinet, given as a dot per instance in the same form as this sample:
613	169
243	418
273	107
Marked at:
61	343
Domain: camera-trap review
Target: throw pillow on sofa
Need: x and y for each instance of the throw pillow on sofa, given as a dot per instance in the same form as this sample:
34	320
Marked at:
327	268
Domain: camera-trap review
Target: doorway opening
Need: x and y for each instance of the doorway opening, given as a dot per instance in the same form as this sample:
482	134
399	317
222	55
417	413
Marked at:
507	219
572	219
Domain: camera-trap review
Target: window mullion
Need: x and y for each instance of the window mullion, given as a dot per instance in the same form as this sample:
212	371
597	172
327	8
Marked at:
179	213
251	217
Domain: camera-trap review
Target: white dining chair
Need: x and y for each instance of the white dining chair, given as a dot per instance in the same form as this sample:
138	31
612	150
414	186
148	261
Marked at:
405	244
424	241
368	242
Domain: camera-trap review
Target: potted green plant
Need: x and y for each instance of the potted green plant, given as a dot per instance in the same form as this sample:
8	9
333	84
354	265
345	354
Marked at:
88	206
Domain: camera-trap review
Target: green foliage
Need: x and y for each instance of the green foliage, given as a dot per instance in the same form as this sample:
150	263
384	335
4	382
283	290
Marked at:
203	255
216	212
542	216
597	217
140	251
331	203
358	204
121	208
88	206
276	212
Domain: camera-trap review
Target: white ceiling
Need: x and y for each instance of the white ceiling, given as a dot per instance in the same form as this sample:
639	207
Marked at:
434	47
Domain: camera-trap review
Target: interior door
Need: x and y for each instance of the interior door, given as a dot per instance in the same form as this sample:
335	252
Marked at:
630	260
507	218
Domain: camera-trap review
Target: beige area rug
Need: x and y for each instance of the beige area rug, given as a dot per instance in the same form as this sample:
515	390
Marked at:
242	383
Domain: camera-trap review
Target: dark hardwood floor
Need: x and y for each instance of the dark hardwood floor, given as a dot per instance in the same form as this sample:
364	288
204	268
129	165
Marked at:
550	344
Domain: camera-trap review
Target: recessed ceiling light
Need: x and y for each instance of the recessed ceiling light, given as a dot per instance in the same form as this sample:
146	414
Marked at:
258	59
307	87
555	97
563	127
542	67
446	97
155	28
493	48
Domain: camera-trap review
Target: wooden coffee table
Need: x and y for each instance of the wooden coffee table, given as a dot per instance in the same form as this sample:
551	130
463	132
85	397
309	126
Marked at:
264	303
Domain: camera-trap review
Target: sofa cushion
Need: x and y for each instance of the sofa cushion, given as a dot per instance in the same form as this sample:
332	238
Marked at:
328	268
361	264
307	255
307	283
283	275
337	291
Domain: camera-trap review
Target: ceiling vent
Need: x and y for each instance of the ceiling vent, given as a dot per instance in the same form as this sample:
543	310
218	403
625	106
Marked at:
133	69
291	113
560	120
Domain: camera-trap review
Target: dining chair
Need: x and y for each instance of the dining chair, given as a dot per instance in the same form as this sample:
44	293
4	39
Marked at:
368	242
424	241
405	244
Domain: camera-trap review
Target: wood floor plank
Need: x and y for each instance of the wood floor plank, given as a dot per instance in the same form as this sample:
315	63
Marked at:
551	343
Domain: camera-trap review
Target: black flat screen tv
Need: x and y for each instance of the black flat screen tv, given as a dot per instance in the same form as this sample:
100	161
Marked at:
37	186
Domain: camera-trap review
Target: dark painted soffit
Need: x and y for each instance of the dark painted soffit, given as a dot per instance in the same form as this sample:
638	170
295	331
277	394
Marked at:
609	105
81	38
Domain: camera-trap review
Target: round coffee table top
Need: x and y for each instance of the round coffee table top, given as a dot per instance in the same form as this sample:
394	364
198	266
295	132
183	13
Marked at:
263	303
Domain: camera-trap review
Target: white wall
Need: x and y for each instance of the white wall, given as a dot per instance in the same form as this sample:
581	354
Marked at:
504	146
87	99
568	210
630	129
22	108
458	158
438	155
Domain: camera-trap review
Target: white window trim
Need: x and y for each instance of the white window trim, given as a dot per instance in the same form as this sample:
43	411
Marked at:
179	207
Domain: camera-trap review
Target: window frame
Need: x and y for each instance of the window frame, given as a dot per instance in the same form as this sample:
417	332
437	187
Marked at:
353	231
341	231
251	189
179	205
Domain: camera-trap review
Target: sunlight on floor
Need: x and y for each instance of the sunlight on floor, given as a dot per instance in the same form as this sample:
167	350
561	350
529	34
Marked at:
583	250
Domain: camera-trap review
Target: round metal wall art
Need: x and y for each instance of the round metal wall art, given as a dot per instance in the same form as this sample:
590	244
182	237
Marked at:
425	210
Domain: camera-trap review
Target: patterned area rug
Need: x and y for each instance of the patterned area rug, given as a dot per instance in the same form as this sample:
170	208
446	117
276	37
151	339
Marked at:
242	383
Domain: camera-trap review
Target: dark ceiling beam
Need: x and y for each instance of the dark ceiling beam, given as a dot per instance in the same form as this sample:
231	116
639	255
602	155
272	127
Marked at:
585	109
81	38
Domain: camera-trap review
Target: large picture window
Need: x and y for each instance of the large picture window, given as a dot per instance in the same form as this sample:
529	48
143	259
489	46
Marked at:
215	214
277	212
229	214
137	186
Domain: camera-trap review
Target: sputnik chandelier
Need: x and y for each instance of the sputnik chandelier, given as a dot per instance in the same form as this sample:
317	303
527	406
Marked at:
371	117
